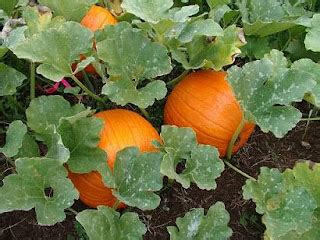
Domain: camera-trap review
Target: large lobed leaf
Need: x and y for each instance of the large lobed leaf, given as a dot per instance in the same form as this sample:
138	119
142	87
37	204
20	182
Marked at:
137	176
130	56
70	135
202	164
56	49
266	88
197	226
26	189
106	223
289	201
266	17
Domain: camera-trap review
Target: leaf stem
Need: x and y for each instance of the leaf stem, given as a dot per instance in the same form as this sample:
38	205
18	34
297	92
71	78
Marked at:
32	80
88	82
178	79
116	204
310	119
234	138
84	88
145	113
73	211
239	171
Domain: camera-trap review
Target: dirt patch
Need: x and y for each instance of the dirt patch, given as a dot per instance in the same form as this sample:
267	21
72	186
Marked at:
262	150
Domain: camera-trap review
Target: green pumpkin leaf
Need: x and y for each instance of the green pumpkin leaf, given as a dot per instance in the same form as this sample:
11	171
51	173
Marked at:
148	10
263	18
70	10
197	226
56	148
137	176
8	5
29	148
256	47
37	22
266	88
311	69
106	223
130	55
14	139
215	3
312	38
209	54
289	201
82	138
10	79
201	27
202	164
56	49
26	189
48	110
124	91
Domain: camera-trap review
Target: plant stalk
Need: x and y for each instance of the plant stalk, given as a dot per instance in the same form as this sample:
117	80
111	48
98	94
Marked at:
84	88
178	79
73	211
234	139
32	80
239	171
310	119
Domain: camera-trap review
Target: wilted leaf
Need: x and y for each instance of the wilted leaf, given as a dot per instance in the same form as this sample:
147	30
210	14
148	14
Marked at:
106	223
202	52
197	226
27	189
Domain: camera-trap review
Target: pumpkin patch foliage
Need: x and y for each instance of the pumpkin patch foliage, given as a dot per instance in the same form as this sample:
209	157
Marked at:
77	76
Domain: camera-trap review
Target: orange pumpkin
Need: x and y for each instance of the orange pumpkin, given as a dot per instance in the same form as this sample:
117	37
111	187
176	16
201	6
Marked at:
204	101
122	128
95	19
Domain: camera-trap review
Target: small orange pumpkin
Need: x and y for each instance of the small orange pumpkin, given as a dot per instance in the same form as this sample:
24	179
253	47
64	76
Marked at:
204	101
96	18
122	128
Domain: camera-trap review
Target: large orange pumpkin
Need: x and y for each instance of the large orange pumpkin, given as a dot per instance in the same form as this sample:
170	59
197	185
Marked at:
204	101
96	18
122	128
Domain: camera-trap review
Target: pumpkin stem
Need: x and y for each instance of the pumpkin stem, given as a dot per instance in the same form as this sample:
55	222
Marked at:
116	204
84	88
145	113
32	80
234	138
178	79
239	171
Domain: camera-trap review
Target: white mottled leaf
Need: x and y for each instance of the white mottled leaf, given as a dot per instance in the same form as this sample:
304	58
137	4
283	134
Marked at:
106	223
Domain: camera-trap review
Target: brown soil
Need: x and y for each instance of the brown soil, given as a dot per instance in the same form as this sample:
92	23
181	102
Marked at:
262	150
